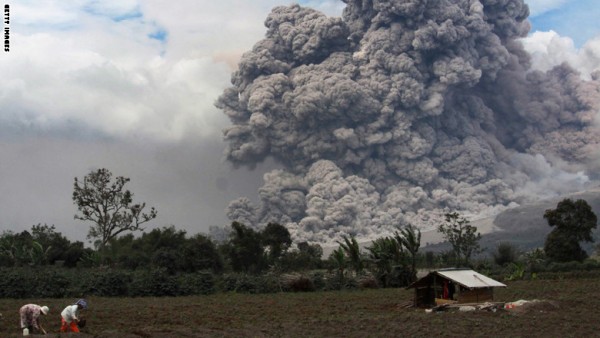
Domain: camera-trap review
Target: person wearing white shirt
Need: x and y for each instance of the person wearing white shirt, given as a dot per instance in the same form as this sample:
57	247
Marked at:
70	316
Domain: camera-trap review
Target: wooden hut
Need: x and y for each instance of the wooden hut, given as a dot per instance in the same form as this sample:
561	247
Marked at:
453	286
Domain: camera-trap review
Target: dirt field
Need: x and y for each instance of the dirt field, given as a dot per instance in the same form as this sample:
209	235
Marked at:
572	309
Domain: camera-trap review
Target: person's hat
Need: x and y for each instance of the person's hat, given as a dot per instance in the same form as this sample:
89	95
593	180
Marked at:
82	302
45	310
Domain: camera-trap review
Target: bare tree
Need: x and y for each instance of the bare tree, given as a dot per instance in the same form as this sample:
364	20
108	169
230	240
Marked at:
104	202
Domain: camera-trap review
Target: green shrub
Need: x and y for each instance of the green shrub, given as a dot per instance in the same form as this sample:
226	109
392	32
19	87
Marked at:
199	283
246	283
29	283
107	283
335	281
51	284
153	283
318	279
16	283
505	254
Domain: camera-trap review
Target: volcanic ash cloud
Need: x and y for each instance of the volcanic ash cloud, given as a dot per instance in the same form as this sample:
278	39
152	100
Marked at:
401	111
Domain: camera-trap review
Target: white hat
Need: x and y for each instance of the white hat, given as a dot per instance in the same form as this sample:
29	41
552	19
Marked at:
45	310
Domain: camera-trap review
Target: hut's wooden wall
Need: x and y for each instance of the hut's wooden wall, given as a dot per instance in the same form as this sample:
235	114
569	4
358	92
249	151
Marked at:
476	295
424	297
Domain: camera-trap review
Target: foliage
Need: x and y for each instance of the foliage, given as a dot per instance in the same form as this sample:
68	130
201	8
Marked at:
104	202
244	251
386	253
298	283
337	260
276	238
516	271
154	283
165	248
411	241
463	237
505	254
305	257
91	259
249	283
573	222
335	281
197	283
20	250
41	246
33	283
53	243
352	251
106	283
200	253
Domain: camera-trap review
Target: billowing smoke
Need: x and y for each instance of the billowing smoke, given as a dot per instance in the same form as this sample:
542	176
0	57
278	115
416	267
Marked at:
400	111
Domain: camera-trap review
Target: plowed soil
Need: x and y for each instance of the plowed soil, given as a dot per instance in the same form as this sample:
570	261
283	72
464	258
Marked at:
568	308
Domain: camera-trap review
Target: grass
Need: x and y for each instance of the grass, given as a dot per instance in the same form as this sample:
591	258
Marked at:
367	313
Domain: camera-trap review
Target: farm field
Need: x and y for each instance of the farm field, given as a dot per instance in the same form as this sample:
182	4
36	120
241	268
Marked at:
572	310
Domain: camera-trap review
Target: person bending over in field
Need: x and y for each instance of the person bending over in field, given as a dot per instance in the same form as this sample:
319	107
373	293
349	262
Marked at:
30	318
70	316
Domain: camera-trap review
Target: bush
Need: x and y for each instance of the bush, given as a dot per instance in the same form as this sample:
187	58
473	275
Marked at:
335	281
298	283
107	283
246	283
318	279
153	283
199	283
239	282
368	282
51	284
505	254
30	283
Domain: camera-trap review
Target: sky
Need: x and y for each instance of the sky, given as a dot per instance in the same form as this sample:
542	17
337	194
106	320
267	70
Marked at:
130	85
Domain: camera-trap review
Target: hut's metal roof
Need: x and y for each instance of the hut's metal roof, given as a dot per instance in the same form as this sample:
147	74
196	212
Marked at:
470	279
465	277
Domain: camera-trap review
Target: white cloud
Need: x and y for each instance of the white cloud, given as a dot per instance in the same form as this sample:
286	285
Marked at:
95	63
549	49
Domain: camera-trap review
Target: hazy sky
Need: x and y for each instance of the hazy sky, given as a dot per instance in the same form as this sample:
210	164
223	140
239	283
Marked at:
130	85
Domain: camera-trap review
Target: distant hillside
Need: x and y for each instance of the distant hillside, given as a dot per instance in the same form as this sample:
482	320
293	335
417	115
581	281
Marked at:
525	226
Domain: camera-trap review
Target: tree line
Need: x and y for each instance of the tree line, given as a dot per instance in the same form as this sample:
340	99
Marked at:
389	261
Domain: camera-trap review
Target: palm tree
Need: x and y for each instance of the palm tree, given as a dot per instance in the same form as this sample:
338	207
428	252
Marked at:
352	250
385	252
338	257
411	241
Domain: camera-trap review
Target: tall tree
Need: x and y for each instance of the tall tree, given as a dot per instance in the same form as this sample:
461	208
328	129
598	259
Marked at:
201	253
411	241
106	203
339	261
244	250
55	243
386	253
573	222
277	239
352	250
463	237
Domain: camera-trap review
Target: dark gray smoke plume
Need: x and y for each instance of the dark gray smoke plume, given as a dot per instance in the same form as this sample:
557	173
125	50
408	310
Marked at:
400	111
